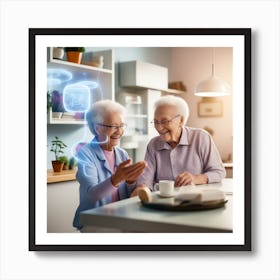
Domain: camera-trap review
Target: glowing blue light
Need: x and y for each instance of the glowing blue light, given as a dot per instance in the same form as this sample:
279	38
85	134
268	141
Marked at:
84	165
89	84
59	74
53	82
76	98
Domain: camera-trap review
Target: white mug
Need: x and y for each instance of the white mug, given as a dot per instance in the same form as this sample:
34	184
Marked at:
165	187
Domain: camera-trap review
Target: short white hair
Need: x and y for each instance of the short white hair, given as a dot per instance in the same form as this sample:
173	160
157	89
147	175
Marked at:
99	111
181	105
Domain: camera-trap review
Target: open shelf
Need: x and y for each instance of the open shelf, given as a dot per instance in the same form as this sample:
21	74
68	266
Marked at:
66	120
56	63
174	91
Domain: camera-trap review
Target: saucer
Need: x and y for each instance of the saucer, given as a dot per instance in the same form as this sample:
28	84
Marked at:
166	195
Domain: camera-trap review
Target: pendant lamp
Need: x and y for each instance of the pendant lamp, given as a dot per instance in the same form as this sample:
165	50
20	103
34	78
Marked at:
213	86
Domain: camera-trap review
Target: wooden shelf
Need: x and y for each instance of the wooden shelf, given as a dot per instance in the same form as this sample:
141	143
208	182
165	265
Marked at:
174	91
55	63
108	67
66	120
64	175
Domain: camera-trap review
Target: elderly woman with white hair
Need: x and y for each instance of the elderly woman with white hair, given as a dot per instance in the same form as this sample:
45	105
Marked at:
180	153
105	172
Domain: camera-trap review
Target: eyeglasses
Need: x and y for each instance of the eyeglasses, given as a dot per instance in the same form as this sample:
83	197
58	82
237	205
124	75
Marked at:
114	127
164	122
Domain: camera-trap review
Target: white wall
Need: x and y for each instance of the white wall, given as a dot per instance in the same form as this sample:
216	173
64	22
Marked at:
191	65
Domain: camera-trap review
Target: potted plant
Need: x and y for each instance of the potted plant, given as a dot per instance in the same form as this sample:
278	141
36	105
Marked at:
57	148
74	54
72	163
65	161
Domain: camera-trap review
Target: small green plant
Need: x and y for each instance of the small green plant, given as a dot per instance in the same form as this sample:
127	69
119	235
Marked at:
75	49
57	147
72	163
64	159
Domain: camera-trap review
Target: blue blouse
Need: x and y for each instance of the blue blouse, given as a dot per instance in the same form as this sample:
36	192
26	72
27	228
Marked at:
94	176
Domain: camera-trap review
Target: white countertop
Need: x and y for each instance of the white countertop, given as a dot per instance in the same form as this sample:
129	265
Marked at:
129	215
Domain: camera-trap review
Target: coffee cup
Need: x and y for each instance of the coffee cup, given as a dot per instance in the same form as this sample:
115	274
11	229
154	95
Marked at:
165	187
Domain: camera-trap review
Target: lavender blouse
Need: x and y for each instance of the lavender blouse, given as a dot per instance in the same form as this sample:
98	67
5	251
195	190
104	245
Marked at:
195	153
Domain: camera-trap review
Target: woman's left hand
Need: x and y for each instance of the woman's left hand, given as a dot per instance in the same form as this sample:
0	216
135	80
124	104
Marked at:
183	179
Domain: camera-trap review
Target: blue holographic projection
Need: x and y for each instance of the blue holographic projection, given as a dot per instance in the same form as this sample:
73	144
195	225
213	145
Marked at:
76	98
90	84
74	94
58	76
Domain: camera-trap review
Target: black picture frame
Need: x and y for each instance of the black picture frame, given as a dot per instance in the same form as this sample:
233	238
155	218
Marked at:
37	245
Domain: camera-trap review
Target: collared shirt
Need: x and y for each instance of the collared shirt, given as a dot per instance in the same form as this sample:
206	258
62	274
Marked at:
195	153
94	175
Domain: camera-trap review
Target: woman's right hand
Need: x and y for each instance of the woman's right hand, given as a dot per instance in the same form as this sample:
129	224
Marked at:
128	172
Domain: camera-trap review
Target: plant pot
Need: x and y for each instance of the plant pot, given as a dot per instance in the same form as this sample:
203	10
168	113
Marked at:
65	167
57	165
75	57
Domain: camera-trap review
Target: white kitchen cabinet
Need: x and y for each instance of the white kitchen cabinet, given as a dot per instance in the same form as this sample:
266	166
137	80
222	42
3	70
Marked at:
137	74
140	110
63	200
141	84
144	75
139	104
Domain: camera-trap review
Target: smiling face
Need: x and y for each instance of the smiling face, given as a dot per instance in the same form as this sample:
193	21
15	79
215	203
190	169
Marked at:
111	128
168	124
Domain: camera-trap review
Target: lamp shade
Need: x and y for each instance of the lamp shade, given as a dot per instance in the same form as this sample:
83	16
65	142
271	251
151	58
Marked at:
212	87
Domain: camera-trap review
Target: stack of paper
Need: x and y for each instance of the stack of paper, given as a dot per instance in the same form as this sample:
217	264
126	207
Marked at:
200	196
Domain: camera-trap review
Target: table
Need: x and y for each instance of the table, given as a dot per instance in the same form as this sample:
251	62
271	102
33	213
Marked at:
129	215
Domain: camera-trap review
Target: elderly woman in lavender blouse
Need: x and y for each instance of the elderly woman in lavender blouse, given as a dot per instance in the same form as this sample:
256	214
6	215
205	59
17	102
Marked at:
180	153
105	172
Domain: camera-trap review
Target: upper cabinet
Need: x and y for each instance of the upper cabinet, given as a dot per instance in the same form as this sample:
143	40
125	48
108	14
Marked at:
143	75
138	74
80	84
